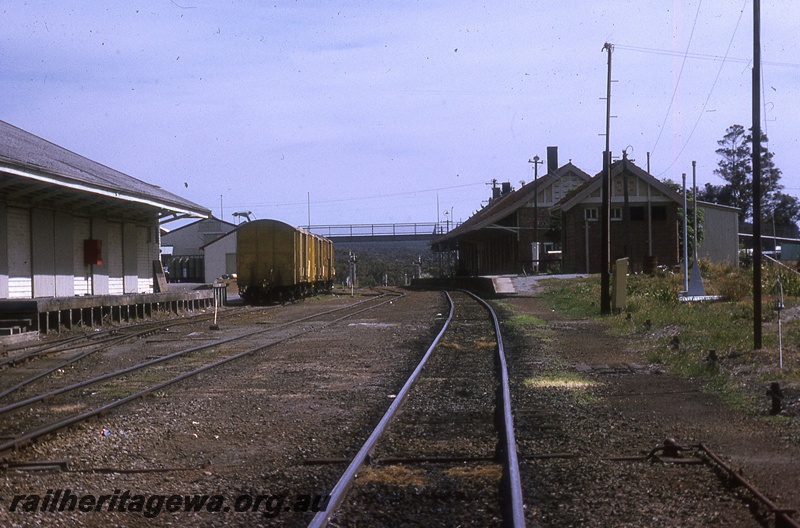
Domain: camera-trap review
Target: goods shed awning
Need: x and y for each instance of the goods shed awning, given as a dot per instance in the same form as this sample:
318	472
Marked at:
36	172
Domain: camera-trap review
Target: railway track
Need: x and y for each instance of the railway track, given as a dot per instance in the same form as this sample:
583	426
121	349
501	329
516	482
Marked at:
445	459
55	358
70	400
103	338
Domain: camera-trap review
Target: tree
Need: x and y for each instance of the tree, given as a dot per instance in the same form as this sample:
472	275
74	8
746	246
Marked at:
736	169
784	211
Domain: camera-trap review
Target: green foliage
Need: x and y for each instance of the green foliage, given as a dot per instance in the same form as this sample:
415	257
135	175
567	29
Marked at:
733	286
679	335
378	260
524	320
735	167
527	324
577	297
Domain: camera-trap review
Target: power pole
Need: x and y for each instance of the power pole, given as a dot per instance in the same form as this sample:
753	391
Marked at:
605	215
685	240
536	162
756	175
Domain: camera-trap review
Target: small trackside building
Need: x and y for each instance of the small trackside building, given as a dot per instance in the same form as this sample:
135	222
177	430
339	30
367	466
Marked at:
187	259
70	226
220	257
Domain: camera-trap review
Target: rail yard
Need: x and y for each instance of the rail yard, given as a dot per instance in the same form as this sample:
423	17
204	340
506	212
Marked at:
252	418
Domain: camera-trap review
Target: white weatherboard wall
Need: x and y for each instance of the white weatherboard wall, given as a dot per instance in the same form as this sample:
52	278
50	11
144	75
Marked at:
116	282
144	261
220	258
44	259
52	253
20	285
63	248
3	251
100	273
129	258
42	255
81	230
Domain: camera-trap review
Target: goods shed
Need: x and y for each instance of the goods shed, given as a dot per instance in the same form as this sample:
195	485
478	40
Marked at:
71	227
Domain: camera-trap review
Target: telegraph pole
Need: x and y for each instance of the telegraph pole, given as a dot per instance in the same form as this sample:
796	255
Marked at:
605	215
756	175
536	162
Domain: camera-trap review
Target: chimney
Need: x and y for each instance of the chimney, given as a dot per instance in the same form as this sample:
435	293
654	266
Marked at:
495	193
552	160
506	188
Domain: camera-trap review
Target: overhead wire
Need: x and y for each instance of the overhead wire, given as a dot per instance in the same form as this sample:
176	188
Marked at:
710	91
680	74
765	136
358	198
702	56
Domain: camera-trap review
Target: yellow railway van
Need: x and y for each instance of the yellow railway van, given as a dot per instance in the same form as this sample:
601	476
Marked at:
279	262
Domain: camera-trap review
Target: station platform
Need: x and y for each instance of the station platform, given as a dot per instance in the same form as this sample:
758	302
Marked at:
489	286
46	314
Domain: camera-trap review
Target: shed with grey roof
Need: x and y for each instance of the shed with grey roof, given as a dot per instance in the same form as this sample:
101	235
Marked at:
70	226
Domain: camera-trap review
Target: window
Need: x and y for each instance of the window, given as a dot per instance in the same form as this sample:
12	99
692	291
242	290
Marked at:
590	213
616	213
659	212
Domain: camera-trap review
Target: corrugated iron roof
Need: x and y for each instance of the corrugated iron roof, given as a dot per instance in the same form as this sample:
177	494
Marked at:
509	203
28	155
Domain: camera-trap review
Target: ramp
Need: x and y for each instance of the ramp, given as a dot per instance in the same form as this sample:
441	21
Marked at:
503	285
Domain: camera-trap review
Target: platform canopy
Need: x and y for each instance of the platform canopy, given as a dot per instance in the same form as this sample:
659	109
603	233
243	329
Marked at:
37	172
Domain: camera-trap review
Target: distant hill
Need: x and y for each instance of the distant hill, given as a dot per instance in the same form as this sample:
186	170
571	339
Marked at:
395	260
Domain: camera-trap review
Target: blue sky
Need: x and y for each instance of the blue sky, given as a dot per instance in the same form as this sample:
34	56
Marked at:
376	111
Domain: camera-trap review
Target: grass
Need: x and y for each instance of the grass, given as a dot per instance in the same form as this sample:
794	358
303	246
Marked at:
527	324
680	336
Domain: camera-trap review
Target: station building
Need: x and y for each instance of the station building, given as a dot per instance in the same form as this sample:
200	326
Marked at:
71	227
514	233
645	225
553	224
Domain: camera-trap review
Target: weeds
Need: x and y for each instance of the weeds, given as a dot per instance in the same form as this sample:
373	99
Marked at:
680	336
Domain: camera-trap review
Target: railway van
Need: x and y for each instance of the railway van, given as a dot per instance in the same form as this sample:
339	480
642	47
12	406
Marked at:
276	262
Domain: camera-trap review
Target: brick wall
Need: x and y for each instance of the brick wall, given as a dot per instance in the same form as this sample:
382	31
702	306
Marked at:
665	240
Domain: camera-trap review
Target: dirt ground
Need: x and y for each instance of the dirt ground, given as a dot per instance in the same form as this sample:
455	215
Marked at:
618	406
266	428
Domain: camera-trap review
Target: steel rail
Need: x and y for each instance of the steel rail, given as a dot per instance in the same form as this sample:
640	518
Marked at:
62	424
106	342
34	399
513	480
783	516
102	336
343	485
49	371
43	350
